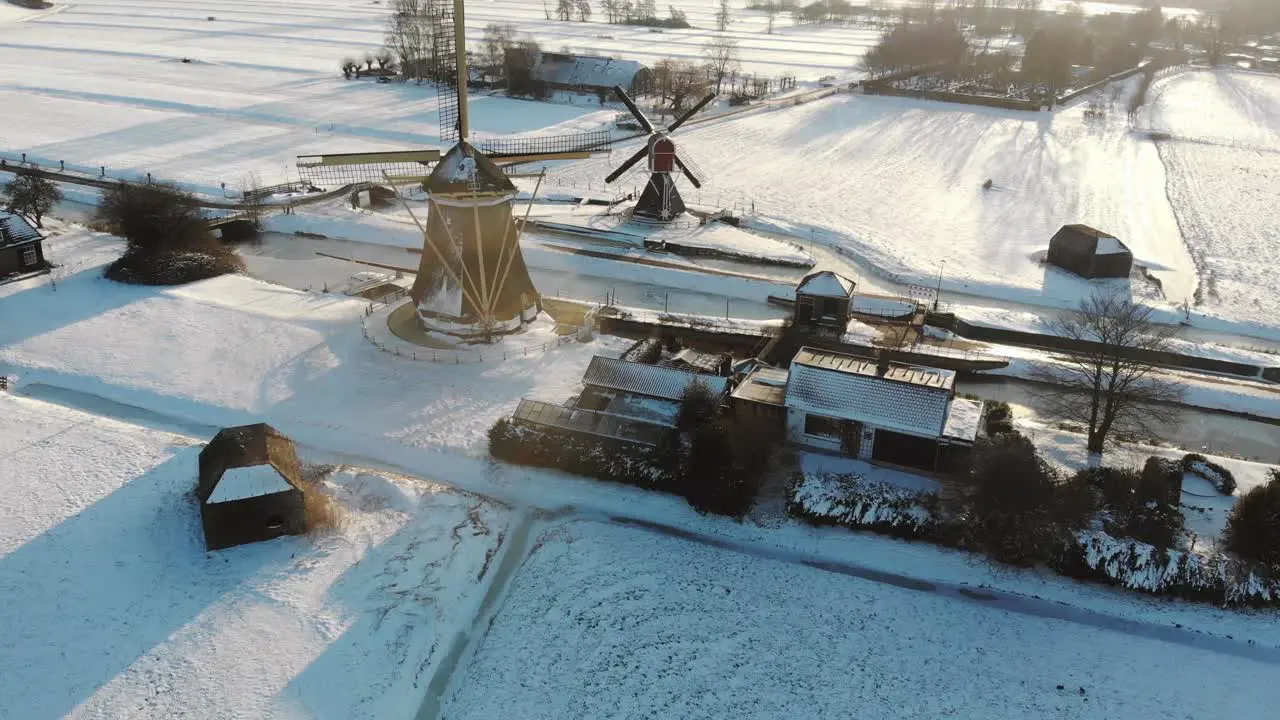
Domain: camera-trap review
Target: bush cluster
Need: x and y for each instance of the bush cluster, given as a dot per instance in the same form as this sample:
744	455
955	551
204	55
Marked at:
1220	477
1253	528
999	419
169	240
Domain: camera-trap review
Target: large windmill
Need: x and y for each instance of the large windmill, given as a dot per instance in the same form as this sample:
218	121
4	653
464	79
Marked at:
660	200
472	283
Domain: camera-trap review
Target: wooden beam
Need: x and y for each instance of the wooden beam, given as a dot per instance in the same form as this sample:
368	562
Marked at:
335	159
505	160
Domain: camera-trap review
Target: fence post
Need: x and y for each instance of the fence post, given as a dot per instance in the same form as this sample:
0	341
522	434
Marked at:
62	165
24	158
104	171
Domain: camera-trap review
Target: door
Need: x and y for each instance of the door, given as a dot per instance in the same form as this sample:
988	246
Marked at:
851	438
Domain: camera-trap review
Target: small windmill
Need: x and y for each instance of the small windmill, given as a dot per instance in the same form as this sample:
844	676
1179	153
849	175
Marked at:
660	199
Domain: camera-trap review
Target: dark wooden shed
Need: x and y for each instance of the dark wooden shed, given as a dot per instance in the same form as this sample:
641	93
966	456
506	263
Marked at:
823	299
250	487
1090	253
21	248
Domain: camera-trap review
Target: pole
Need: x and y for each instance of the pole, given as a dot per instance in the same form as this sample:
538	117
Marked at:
937	295
460	53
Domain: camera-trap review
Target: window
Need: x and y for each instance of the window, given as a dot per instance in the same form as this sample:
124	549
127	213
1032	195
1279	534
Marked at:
275	522
820	426
29	256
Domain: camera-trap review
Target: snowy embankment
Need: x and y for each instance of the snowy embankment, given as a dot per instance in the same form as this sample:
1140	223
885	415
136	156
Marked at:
114	609
605	621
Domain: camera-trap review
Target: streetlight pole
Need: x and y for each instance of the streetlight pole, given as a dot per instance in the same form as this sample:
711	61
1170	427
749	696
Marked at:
937	295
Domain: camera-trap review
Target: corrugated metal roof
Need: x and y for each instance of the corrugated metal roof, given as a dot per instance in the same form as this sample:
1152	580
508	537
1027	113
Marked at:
912	400
649	380
585	70
826	284
14	229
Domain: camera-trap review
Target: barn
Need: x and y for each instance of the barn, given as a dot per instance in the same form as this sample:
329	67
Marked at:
20	246
588	73
1090	253
250	487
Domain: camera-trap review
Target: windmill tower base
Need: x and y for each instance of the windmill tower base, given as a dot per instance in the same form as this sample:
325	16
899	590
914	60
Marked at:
660	199
467	330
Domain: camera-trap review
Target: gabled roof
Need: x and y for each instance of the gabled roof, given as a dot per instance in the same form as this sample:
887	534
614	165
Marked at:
1090	238
587	70
826	284
243	447
648	380
905	398
15	230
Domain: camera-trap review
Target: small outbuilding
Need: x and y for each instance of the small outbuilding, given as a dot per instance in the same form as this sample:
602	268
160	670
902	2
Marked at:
1090	253
21	246
823	299
250	487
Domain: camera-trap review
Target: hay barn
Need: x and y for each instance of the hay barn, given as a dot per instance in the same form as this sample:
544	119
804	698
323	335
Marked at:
250	487
1090	253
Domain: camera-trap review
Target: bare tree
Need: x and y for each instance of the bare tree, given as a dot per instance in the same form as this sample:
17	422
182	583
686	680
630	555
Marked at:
30	196
677	80
722	57
611	10
646	9
564	10
493	45
723	17
583	8
771	10
409	37
1107	381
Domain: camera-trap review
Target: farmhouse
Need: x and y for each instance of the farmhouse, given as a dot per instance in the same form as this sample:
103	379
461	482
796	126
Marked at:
587	73
1090	253
872	410
823	300
250	487
21	246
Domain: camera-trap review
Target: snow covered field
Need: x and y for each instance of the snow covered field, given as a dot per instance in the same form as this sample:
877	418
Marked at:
605	621
1223	155
899	182
114	609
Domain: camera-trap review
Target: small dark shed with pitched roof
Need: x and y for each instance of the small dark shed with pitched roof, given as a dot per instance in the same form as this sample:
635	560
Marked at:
1090	253
250	487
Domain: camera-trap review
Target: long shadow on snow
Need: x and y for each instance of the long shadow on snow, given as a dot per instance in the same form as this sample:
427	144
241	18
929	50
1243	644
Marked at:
41	309
404	590
94	593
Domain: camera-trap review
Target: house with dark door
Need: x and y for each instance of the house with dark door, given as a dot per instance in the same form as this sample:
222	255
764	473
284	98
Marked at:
21	246
823	300
250	487
878	410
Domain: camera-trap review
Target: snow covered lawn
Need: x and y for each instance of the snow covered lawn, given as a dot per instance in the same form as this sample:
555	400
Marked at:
604	621
114	609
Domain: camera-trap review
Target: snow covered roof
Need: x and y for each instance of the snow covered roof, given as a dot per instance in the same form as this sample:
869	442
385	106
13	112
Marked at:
650	380
962	419
584	70
1108	245
246	446
14	229
465	170
764	385
904	398
248	482
826	284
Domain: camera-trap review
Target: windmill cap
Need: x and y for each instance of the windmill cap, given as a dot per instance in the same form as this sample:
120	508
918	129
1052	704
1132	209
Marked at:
466	170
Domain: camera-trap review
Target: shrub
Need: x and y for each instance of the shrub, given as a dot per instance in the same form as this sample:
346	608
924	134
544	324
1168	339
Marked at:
699	405
1211	471
1135	504
999	418
322	512
1017	509
850	501
1253	527
583	455
169	241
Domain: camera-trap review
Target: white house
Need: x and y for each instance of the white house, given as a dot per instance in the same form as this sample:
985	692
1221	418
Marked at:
879	411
